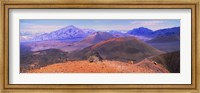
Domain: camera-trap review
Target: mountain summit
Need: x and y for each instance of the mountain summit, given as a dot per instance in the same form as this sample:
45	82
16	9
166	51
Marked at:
140	31
98	37
69	32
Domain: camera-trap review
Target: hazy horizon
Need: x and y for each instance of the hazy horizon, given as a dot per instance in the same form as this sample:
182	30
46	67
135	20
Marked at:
37	26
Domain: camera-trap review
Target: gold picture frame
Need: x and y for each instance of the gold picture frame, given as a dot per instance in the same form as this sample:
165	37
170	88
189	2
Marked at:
104	4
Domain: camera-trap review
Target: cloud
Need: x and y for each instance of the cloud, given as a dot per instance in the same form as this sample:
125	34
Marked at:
147	23
153	25
98	21
113	27
37	29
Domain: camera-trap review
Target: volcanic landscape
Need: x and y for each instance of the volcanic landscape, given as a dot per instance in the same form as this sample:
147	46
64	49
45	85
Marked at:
75	50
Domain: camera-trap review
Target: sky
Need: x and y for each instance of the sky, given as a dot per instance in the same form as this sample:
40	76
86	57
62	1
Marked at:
38	26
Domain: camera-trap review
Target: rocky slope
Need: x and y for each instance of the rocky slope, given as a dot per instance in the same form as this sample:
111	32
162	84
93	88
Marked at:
101	67
123	49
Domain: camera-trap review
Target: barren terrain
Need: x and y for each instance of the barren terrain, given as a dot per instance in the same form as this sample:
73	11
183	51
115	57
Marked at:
106	66
74	50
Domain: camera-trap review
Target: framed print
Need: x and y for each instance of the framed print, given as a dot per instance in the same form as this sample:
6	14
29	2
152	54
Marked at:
74	46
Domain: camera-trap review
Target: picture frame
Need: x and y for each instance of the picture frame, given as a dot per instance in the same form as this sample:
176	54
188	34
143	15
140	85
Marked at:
110	88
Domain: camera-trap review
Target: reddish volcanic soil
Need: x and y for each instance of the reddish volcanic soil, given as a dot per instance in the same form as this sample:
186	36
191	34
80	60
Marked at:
144	66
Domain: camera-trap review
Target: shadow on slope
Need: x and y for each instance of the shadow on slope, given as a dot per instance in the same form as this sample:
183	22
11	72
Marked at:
170	60
33	60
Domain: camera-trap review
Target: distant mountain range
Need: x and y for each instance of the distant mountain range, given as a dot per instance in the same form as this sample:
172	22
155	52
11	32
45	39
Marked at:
149	33
72	33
